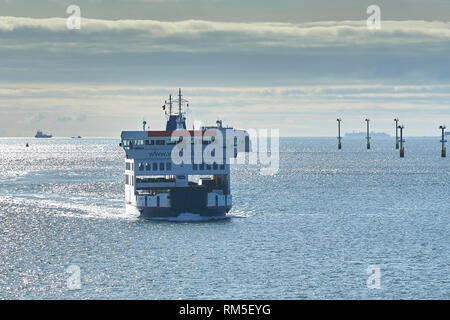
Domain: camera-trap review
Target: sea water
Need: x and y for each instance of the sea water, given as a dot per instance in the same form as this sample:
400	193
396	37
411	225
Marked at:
331	224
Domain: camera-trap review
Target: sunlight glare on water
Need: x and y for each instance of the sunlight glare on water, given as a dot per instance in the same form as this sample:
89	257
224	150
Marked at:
308	232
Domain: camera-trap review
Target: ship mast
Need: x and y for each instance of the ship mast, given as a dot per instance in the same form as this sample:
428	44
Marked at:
176	120
179	101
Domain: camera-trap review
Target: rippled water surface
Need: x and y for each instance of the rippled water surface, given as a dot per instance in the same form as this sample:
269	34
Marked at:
309	232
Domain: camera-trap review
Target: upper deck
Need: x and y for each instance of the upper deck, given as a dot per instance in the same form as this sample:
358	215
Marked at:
178	151
220	144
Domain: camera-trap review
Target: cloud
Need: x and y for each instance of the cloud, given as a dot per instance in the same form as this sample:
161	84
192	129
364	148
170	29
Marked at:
81	117
212	36
37	118
107	76
198	52
64	119
135	93
106	109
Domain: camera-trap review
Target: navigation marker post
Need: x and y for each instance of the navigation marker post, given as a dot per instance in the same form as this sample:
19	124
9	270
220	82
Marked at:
402	149
443	151
339	133
368	136
396	133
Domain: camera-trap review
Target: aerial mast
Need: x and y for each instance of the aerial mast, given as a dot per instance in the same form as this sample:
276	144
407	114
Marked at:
179	101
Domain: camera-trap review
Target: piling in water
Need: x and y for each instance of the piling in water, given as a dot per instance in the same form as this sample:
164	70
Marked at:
443	141
339	133
368	136
396	133
402	149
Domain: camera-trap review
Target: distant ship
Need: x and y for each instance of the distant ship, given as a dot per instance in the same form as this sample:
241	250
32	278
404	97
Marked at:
363	134
76	137
40	134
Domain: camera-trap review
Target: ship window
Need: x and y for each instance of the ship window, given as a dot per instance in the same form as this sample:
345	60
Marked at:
152	142
141	166
126	179
157	201
161	166
168	166
147	142
154	166
208	167
217	201
222	167
202	166
147	166
194	166
127	166
215	167
160	142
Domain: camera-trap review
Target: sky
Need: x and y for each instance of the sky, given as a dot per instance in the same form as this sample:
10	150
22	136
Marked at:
290	65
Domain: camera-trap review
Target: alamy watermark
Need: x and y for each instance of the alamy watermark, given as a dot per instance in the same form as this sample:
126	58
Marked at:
212	147
73	22
374	20
74	280
374	279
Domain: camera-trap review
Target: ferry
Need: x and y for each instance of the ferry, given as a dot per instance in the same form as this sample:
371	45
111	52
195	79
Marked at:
159	185
40	134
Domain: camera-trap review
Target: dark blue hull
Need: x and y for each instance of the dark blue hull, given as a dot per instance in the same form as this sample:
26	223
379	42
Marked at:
171	213
185	200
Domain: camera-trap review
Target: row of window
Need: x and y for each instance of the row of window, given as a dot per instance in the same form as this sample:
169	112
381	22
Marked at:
161	166
202	166
155	166
161	142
